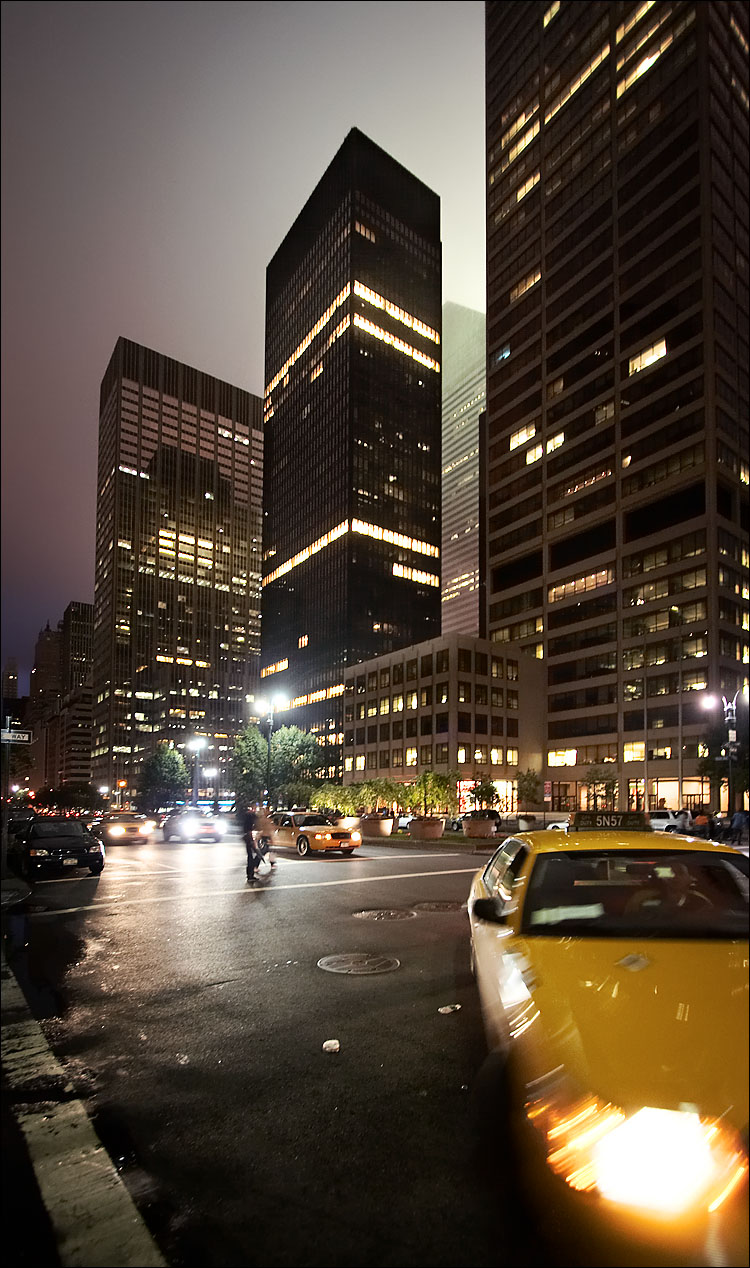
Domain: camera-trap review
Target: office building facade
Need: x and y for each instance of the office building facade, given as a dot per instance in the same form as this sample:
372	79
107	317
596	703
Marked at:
617	347
464	394
351	533
176	606
451	704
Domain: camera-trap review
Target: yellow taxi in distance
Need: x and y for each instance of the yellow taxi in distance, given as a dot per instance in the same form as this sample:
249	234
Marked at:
612	969
310	831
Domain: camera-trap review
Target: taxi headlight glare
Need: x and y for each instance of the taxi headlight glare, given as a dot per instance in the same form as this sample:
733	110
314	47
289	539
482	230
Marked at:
356	836
145	828
657	1160
116	830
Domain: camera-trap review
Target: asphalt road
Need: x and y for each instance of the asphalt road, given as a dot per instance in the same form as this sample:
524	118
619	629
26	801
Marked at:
190	1015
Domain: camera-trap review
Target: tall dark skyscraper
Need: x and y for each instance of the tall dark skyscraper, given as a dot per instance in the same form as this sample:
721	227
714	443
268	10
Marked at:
617	361
176	605
351	535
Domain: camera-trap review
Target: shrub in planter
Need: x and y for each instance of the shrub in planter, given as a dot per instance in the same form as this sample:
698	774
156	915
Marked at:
479	826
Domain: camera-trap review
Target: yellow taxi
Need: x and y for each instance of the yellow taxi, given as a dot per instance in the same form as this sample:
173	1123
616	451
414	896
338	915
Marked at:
612	969
308	832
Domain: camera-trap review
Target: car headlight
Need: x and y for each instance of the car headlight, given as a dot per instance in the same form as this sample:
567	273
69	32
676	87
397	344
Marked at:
657	1160
189	825
322	836
219	826
148	826
145	829
356	836
116	830
40	854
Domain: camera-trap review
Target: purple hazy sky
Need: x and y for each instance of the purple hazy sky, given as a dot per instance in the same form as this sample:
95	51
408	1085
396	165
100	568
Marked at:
154	156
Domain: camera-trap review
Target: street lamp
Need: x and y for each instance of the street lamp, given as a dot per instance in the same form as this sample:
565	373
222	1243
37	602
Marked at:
195	745
730	721
267	707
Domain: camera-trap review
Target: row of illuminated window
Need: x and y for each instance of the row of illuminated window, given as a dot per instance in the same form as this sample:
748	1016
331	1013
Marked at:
385	336
416	574
655	53
525	284
342	296
379	301
275	668
515	150
466	754
426	697
184	660
357	526
633	751
577	82
579	585
516	197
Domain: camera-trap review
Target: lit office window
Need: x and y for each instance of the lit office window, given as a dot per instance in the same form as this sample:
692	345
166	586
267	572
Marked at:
647	357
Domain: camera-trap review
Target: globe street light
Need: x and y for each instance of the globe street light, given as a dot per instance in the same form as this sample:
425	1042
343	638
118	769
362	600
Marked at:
732	747
195	745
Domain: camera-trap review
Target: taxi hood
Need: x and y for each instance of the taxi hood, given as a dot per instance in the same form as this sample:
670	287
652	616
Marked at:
652	1022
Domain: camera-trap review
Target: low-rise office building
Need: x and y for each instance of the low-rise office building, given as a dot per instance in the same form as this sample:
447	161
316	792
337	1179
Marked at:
453	703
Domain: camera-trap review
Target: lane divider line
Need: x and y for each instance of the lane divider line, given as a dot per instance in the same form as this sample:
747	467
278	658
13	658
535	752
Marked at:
274	887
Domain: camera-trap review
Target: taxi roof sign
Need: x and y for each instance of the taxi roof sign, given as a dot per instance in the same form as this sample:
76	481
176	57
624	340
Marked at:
607	820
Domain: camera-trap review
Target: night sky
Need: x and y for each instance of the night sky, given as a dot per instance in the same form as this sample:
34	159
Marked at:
154	156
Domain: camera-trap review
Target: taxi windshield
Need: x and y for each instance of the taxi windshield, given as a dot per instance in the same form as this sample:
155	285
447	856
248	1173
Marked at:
623	894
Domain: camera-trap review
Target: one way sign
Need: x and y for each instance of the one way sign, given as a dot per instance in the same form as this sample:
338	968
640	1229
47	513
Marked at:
16	737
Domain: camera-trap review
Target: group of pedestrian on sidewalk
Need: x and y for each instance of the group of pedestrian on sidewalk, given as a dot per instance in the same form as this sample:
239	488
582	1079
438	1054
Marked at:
257	833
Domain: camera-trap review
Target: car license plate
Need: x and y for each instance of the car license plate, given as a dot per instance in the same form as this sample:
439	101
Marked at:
69	862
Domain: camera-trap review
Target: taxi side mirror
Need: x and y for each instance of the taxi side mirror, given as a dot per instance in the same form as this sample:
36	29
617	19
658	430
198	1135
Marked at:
491	909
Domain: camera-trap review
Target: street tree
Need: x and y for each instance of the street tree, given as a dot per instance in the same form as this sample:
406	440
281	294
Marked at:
249	766
601	785
527	785
163	778
484	794
295	759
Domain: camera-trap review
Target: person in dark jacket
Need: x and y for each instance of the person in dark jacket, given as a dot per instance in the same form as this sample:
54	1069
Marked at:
249	829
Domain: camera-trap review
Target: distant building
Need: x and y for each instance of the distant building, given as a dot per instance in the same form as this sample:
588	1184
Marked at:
45	690
76	645
617	377
452	703
351	538
177	598
10	679
464	399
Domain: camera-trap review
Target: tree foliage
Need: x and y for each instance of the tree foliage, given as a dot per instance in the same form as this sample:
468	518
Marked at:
484	794
249	766
431	792
295	759
163	779
601	783
527	785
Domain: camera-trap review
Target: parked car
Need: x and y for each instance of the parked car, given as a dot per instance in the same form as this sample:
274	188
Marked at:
53	844
310	832
123	827
664	821
608	959
559	825
194	825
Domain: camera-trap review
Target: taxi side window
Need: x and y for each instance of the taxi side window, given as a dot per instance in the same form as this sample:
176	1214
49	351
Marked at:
503	869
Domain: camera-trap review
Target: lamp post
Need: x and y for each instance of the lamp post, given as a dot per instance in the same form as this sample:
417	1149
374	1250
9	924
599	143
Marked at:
730	721
195	745
267	707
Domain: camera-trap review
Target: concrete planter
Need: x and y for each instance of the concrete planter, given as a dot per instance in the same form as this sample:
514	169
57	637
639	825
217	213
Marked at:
426	829
479	827
376	827
348	821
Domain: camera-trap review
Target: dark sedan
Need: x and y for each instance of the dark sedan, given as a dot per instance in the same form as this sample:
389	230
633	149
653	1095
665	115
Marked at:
55	845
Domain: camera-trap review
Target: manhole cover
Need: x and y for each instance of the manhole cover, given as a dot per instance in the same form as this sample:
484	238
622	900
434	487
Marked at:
445	906
387	914
358	963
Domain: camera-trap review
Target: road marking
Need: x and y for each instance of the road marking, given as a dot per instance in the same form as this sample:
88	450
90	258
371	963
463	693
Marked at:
242	889
93	1216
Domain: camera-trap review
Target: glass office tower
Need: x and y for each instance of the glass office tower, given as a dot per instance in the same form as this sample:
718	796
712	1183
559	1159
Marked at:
177	595
464	394
617	360
351	533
